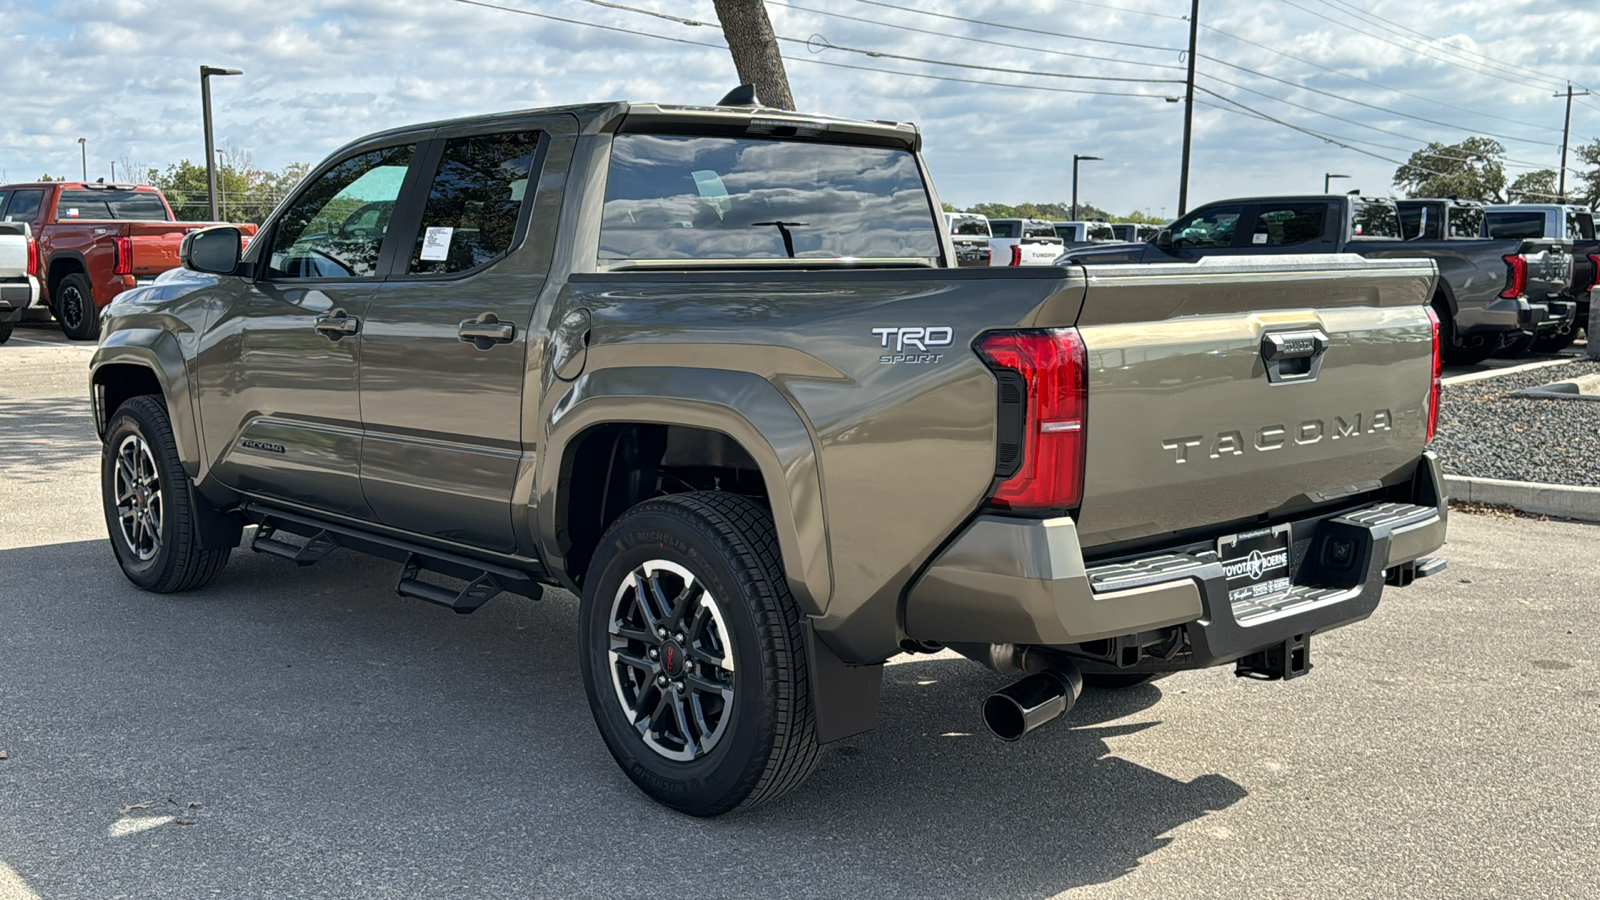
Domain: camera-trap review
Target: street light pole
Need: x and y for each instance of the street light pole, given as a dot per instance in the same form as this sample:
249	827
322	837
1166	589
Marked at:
1328	176
1075	158
222	184
83	147
1188	110
205	110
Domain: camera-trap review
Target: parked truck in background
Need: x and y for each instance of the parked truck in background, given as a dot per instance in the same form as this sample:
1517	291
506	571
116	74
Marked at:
1440	219
1082	233
1490	293
970	234
19	286
95	240
1023	242
596	348
1554	221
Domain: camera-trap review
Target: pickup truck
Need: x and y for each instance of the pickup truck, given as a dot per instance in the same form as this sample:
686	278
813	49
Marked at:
95	241
1440	219
1082	233
1490	293
713	370
1023	242
970	234
19	284
1553	221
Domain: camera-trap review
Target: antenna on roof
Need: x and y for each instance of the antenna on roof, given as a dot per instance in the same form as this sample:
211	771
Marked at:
743	95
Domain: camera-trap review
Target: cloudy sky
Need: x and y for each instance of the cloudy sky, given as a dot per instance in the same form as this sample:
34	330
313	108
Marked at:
1381	76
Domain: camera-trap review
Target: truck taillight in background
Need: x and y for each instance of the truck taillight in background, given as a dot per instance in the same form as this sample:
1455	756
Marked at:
1594	281
1043	379
1438	374
1016	254
33	257
123	262
1517	276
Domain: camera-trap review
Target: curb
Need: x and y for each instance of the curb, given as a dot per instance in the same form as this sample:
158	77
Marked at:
1562	500
1500	371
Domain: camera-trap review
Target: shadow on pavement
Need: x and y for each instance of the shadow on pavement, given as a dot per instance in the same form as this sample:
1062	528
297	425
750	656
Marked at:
337	734
41	438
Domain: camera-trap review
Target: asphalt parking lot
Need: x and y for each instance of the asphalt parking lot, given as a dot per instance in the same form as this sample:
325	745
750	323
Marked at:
305	733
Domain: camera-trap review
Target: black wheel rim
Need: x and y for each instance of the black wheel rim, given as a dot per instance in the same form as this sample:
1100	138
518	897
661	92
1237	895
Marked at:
136	489
72	307
671	661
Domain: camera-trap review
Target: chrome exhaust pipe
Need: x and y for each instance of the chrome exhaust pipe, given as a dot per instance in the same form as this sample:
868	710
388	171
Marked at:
1024	705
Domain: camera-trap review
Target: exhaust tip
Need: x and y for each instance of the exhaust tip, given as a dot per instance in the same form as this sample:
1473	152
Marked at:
1024	705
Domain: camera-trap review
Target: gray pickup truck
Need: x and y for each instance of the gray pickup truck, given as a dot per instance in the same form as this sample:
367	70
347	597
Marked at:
1490	293
713	369
1556	221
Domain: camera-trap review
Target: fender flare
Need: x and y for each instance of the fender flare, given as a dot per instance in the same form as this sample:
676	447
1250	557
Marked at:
742	405
156	350
47	285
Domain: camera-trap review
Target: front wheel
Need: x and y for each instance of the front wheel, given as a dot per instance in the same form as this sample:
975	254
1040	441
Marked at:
75	309
693	655
154	527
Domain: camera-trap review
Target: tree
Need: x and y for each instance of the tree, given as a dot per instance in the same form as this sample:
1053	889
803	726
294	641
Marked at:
1585	188
247	193
1470	170
1538	186
755	50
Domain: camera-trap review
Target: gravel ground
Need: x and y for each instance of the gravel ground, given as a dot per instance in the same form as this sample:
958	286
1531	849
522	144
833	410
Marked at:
1485	432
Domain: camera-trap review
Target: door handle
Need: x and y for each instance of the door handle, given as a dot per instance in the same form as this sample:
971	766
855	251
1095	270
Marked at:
338	325
485	331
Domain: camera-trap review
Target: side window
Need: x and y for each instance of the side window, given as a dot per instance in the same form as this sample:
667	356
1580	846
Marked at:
1580	226
4	196
24	206
336	226
1212	227
1374	219
1466	221
473	206
1286	224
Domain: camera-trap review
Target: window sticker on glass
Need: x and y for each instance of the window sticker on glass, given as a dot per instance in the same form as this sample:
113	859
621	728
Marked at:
712	191
1259	237
436	243
72	213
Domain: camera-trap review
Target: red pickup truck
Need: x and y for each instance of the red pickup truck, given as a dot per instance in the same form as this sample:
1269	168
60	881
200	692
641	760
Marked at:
95	241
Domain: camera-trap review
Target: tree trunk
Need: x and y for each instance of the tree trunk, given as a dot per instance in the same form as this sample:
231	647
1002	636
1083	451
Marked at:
755	50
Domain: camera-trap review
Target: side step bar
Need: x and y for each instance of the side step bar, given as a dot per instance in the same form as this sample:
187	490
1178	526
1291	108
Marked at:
484	580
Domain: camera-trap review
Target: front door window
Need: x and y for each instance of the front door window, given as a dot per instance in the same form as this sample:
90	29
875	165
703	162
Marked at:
335	228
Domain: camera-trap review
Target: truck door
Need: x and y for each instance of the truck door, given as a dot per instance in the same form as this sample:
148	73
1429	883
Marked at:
277	365
1291	226
446	342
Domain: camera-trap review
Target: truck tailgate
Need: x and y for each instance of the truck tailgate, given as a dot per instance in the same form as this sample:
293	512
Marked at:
1241	390
155	245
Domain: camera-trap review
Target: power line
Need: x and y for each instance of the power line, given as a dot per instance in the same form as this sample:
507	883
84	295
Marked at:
976	40
1060	34
812	42
1318	135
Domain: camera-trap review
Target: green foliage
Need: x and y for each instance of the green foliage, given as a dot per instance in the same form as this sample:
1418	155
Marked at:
1585	186
1471	170
246	194
1538	186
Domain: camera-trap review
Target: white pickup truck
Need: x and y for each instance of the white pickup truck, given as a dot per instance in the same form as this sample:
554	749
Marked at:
1023	242
19	270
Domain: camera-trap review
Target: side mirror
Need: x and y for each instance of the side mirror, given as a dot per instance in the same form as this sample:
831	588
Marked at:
212	250
1163	239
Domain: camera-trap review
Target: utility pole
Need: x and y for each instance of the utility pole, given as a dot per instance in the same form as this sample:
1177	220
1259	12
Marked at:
1566	129
1188	110
755	50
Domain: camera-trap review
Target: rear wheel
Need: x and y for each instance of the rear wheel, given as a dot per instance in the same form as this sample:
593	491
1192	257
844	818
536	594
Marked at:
5	331
75	308
693	655
154	528
1467	355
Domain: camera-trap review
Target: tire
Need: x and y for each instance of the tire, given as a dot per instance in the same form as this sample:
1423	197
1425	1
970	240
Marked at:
5	331
73	300
718	737
1554	342
1515	346
145	492
1460	356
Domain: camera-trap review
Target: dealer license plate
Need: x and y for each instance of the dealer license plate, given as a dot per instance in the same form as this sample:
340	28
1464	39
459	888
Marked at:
1256	563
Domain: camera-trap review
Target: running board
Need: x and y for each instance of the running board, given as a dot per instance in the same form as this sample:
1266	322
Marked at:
484	580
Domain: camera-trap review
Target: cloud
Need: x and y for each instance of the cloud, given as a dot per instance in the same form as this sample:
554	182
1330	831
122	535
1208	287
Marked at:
319	73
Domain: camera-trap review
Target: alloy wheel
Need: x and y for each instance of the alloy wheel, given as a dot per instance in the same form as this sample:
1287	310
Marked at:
136	491
671	661
71	310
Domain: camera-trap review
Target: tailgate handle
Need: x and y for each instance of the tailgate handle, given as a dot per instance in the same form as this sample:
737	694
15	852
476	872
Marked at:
1293	356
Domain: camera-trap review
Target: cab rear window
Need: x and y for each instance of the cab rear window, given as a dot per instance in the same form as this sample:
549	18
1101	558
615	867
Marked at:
671	197
135	206
1373	219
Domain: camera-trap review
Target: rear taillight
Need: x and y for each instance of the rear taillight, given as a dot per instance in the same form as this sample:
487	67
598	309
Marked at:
33	257
1517	266
1438	375
1594	280
123	264
1016	254
1052	366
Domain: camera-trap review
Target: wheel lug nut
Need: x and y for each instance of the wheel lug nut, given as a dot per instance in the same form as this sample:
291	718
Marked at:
661	680
654	653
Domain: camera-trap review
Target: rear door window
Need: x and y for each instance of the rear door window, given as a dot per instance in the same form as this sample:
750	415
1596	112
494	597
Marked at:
336	226
1287	224
1521	225
1214	227
672	197
24	206
105	205
475	203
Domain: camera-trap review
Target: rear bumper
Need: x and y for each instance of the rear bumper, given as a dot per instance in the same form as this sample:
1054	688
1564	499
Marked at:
1555	314
16	296
1021	581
